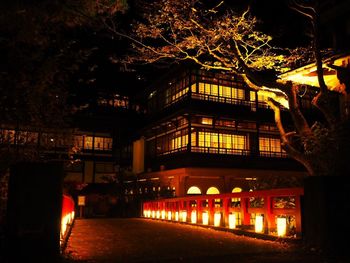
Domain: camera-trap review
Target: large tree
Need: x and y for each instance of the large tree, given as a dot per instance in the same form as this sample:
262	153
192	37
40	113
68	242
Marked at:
216	37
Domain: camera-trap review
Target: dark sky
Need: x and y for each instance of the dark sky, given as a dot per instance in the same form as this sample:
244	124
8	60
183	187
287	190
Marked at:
285	25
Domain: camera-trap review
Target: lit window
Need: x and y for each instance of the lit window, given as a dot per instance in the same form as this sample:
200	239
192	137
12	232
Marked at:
88	142
269	145
98	143
208	121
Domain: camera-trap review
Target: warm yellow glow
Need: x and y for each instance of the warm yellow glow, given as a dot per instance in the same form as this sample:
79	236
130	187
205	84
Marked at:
268	145
163	214
231	221
281	226
208	121
179	142
273	94
169	215
220	91
308	76
236	190
212	191
179	94
149	213
222	140
193	217
65	221
184	216
158	214
217	219
194	190
153	214
176	216
259	223
205	218
63	226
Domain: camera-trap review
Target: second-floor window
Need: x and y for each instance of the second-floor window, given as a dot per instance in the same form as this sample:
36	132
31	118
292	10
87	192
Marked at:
270	147
220	91
91	142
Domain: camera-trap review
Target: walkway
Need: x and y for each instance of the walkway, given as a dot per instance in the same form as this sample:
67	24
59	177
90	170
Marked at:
145	240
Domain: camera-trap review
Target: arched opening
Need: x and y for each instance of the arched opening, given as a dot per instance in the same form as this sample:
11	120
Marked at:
217	202
236	190
213	191
236	202
194	190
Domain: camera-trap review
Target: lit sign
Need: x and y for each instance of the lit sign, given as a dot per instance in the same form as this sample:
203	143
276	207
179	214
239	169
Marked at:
81	200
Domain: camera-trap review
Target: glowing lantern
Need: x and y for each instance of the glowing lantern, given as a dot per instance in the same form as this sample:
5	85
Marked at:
281	226
169	215
158	214
176	216
193	217
145	213
205	218
183	216
259	223
231	221
217	219
163	214
153	214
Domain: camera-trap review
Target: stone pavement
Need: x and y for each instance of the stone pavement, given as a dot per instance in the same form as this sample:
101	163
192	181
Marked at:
145	240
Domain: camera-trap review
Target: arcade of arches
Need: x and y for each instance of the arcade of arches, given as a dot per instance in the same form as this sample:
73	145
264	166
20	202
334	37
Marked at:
195	180
193	190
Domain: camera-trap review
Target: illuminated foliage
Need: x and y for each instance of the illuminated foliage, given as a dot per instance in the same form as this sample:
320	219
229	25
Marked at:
215	37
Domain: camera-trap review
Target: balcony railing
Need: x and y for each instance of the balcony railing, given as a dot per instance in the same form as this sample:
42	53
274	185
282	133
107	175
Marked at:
201	149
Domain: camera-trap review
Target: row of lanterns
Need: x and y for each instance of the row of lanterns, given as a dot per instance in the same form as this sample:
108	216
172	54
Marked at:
232	220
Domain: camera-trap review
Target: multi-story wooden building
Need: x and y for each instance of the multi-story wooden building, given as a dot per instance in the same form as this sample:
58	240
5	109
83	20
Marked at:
208	132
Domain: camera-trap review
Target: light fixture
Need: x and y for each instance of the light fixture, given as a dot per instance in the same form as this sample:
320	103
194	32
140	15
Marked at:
176	216
205	218
281	226
169	215
231	221
194	217
184	216
259	223
217	219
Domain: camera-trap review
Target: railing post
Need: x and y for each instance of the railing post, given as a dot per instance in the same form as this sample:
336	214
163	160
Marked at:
225	211
211	211
270	218
298	216
244	211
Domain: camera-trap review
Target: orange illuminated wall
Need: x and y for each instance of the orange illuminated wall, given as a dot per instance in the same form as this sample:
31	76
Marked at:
138	165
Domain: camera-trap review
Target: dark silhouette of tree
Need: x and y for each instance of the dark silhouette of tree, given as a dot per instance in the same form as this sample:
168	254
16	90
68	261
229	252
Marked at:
42	49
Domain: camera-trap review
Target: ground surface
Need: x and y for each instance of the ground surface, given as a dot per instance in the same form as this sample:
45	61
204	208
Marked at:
144	240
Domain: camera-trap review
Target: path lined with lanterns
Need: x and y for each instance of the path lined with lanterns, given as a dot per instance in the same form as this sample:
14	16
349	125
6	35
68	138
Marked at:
148	240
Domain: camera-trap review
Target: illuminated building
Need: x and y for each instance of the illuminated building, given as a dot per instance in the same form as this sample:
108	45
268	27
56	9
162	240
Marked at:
210	131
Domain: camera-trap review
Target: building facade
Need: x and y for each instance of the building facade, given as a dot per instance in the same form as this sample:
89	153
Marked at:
208	132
